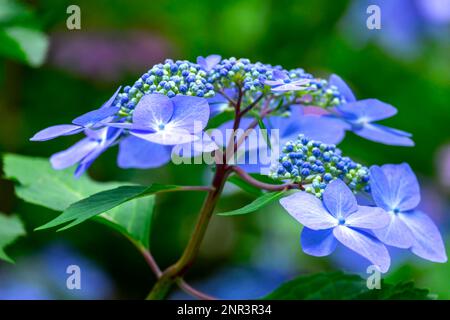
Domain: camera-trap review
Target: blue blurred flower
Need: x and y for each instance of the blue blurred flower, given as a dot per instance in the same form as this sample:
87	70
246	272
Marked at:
405	24
44	276
338	218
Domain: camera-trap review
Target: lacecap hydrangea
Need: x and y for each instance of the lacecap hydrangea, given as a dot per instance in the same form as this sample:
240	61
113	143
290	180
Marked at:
173	102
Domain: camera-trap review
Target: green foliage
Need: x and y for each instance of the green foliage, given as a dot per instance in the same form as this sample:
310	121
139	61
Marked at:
102	202
20	37
258	203
244	185
39	184
340	286
10	229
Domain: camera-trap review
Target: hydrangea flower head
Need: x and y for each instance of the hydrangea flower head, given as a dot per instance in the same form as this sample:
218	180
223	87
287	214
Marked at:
316	164
338	219
396	190
170	78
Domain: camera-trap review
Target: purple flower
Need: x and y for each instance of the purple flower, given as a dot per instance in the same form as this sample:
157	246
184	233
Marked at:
209	62
282	82
85	151
396	190
93	119
338	219
159	123
167	121
362	113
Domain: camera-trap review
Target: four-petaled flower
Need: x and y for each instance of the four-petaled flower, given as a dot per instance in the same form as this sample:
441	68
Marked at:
338	218
85	151
362	113
209	62
167	121
93	119
282	82
158	124
396	190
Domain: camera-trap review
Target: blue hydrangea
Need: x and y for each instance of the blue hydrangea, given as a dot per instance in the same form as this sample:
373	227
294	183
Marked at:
339	219
169	78
315	165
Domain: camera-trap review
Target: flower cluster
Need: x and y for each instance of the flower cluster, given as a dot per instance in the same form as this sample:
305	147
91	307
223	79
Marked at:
317	164
229	72
169	78
170	106
394	221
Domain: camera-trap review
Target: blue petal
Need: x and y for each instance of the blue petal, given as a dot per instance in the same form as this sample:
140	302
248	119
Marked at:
190	113
74	154
292	86
396	233
365	245
95	116
343	88
321	128
209	62
318	243
324	129
169	136
339	199
104	137
111	100
56	131
368	218
428	242
308	210
153	110
382	134
196	148
395	187
368	110
137	153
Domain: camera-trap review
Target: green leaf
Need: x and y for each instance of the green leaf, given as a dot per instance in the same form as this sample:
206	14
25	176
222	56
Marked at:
12	11
24	44
102	202
340	286
10	229
258	203
265	132
244	185
39	184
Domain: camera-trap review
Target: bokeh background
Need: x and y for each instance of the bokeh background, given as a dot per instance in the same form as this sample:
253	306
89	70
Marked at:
406	63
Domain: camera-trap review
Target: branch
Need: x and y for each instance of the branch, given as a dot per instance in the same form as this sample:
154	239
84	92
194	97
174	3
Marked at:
228	98
193	292
180	282
197	188
251	105
262	185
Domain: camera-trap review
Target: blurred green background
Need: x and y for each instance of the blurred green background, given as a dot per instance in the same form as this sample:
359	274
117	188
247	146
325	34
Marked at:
244	256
